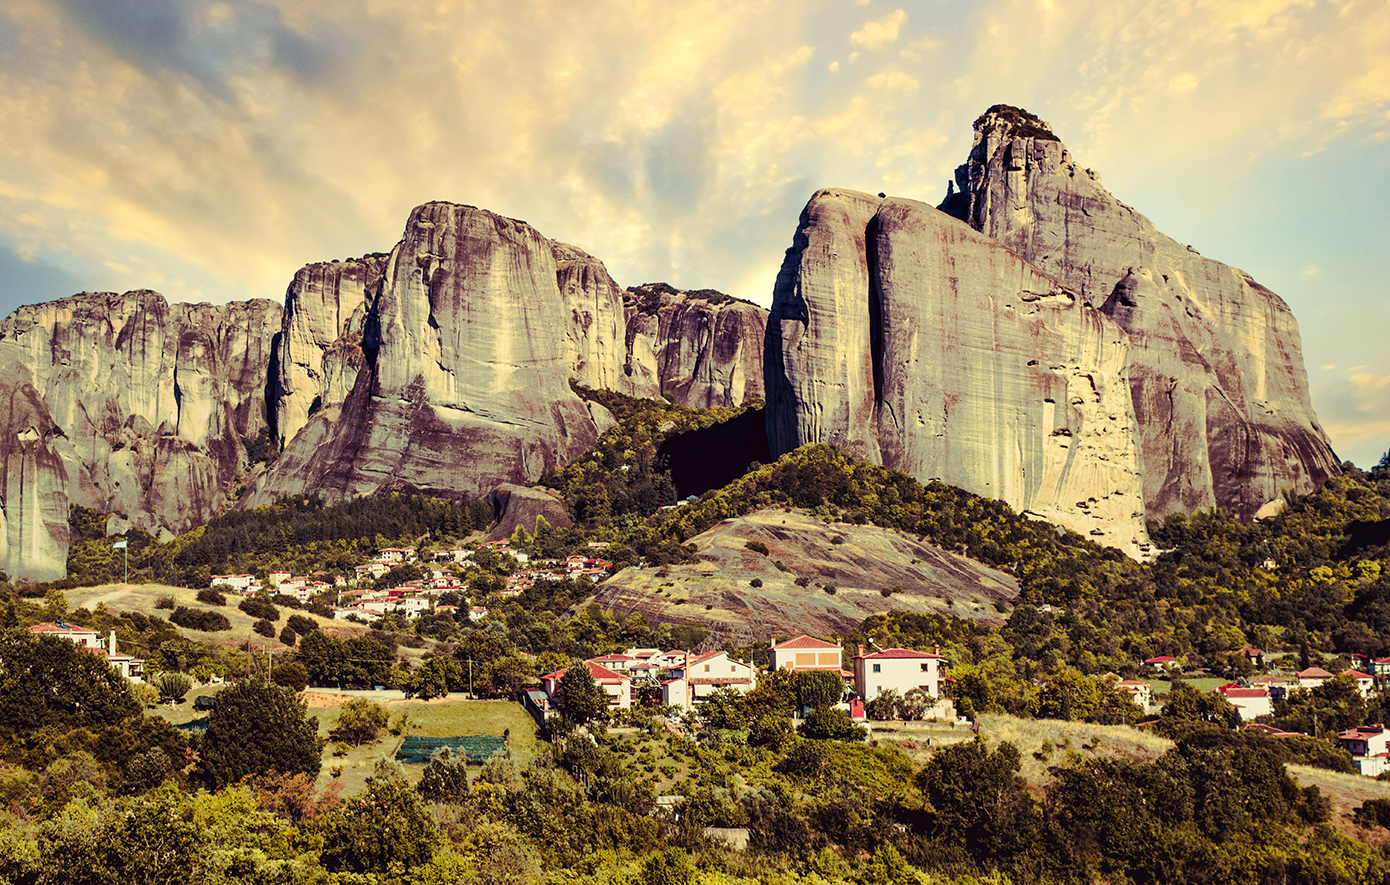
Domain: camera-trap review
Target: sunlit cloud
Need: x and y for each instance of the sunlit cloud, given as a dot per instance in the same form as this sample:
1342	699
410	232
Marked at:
881	33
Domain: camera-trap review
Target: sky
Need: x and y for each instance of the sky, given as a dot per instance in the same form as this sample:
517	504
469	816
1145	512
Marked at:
207	150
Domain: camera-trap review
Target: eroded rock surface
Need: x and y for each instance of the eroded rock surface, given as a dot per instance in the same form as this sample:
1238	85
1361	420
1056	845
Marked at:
905	337
698	348
1216	368
153	399
33	482
467	357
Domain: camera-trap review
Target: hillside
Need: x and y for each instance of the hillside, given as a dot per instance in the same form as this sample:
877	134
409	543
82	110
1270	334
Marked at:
849	572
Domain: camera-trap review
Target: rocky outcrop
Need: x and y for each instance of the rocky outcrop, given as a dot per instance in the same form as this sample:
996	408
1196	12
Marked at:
910	340
517	505
1215	370
33	482
319	347
153	399
467	358
698	348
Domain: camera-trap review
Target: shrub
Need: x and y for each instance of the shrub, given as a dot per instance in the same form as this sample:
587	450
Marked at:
200	619
359	722
802	581
173	686
837	540
264	627
756	582
166	603
757	547
211	597
291	675
301	625
832	723
259	608
831	589
288	636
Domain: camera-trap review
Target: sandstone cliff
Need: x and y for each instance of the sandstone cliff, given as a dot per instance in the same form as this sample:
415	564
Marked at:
698	348
909	339
467	353
1215	369
152	399
33	482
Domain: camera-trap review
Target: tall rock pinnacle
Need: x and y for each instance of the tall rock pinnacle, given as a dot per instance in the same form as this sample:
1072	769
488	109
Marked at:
1216	368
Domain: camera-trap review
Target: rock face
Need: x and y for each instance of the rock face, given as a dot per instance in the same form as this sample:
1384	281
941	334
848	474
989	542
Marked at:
699	348
33	482
520	506
153	399
908	339
1062	355
1216	368
319	346
467	353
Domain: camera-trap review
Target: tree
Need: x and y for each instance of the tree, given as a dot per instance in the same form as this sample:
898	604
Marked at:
386	827
445	779
819	688
359	722
434	678
290	674
832	723
579	696
885	706
916	703
173	686
724	709
49	682
258	727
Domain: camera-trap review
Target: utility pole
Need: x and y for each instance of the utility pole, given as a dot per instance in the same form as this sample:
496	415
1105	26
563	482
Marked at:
470	680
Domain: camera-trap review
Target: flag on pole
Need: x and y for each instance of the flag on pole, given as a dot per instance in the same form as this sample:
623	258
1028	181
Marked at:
119	545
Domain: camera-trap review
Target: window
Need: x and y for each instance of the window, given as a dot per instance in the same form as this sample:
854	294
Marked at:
706	668
926	668
878	668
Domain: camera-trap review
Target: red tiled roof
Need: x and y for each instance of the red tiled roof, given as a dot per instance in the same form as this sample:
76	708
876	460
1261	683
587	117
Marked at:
603	674
901	653
1245	693
805	641
1357	674
54	628
722	680
1313	673
1161	659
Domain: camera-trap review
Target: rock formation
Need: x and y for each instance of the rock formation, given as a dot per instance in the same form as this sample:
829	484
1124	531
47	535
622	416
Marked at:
152	399
1216	367
1062	356
319	348
33	482
910	340
517	505
698	348
467	354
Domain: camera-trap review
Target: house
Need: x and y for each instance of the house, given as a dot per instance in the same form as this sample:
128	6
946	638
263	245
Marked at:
703	676
1312	677
133	669
899	669
396	554
616	663
617	686
804	653
1141	692
1364	681
1369	746
1249	702
277	578
1255	656
1162	663
1380	667
239	583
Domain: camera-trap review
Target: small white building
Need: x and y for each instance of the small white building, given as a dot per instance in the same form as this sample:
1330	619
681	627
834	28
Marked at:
1142	692
804	653
239	583
133	669
900	669
617	686
1312	677
1250	703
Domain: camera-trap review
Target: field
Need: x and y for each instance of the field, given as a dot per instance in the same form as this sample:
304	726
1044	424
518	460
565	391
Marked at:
441	717
142	598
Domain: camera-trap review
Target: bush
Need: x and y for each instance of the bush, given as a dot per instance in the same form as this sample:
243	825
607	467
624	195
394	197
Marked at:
259	608
211	597
756	582
291	675
264	627
165	603
288	636
301	625
173	686
445	779
199	619
802	581
758	547
359	722
834	724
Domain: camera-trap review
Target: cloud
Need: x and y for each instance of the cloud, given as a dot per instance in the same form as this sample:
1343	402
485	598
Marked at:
1310	271
879	34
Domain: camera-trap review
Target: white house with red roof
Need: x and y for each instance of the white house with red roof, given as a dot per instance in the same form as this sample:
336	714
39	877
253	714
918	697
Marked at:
1249	702
616	662
804	653
1364	681
617	686
1312	677
703	676
1142	692
1162	662
131	668
899	669
1369	746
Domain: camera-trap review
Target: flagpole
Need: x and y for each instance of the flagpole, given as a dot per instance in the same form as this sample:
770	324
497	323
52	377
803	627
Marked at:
123	546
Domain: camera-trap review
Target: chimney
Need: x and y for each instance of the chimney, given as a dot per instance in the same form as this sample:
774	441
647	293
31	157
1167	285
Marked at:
861	650
111	644
936	649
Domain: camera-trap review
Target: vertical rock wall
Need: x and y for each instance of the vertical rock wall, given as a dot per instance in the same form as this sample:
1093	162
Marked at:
33	482
1216	369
